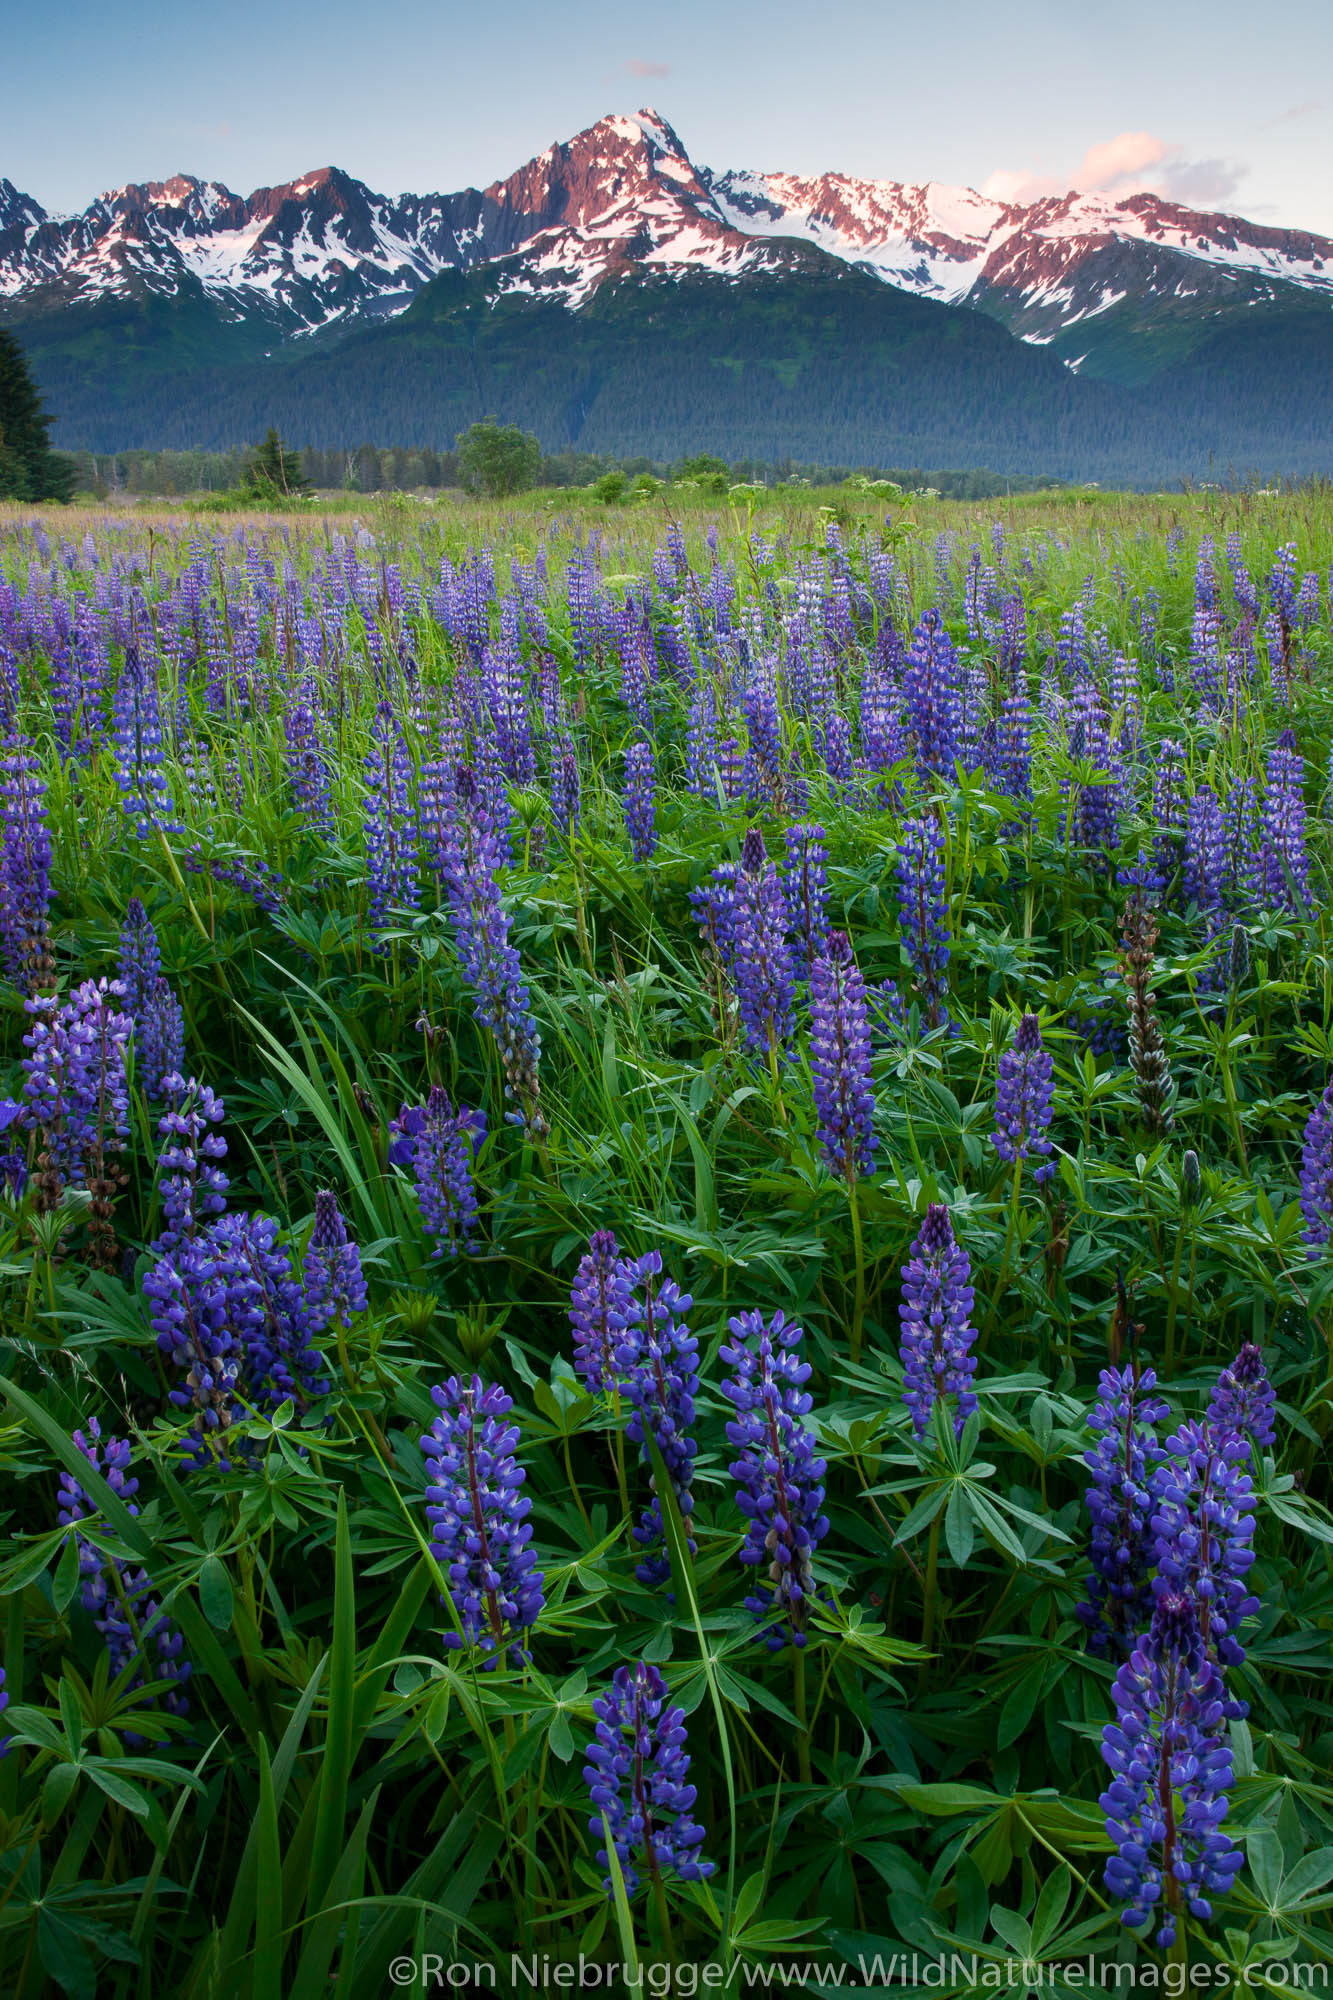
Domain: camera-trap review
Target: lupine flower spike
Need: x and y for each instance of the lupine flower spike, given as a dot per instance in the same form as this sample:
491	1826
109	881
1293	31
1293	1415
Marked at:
440	1145
478	1515
937	1330
779	1479
1243	1399
1170	1762
1123	1459
636	1774
1023	1101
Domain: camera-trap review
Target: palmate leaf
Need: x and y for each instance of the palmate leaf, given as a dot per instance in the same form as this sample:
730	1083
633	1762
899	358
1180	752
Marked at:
200	1640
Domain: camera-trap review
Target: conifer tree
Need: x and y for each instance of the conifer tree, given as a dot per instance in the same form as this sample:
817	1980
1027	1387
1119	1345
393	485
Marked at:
29	469
275	472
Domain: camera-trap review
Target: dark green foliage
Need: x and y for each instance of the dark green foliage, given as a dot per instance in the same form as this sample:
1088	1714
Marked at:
274	471
497	459
814	362
29	469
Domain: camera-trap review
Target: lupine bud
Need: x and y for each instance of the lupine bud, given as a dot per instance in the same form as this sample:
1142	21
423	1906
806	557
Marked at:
1191	1180
1238	956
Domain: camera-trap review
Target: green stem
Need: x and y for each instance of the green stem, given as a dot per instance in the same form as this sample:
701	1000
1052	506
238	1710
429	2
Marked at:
1189	1295
931	1596
1171	1306
622	1480
1010	1233
803	1733
858	1251
663	1916
574	1486
776	1076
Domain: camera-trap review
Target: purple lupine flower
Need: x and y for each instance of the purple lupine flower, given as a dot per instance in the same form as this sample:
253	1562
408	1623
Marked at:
1095	815
805	892
159	1024
639	1747
253	878
923	913
1123	1461
779	1480
335	1287
1243	1399
1204	1528
701	744
76	1092
883	732
506	690
658	1359
1284	859
1240	815
266	1303
13	1164
762	769
937	1330
127	1618
840	1060
478	1514
470	859
189	1312
389	820
599	1310
192	1184
731	769
1317	1176
137	714
440	1144
930	686
714	906
1023	1098
640	806
1168	803
1170	1762
762	967
1204	880
308	766
1010	770
25	870
567	790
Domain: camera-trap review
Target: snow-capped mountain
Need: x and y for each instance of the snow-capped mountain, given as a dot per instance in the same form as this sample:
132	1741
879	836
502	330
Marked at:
325	251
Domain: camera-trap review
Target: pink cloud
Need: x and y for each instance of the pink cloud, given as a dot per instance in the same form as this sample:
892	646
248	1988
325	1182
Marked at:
639	68
1123	158
1126	164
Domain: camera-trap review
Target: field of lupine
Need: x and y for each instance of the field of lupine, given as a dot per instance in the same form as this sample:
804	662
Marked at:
664	1252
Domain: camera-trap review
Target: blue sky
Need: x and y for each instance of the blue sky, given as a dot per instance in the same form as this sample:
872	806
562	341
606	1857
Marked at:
1218	104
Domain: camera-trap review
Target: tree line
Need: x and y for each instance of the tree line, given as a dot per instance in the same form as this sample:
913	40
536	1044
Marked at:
373	468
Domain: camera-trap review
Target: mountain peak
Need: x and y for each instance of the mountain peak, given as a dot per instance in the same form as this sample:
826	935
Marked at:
18	210
622	198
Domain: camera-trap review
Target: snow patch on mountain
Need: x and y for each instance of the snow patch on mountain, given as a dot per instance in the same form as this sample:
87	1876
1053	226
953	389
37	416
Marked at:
325	250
